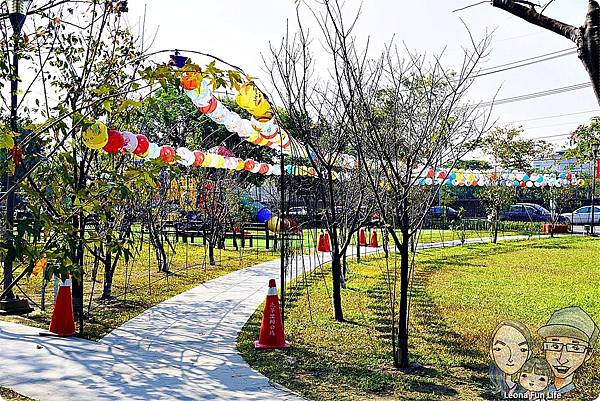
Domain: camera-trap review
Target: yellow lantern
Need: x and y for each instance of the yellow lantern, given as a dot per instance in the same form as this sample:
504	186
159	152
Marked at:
252	100
274	224
208	159
96	136
240	165
220	161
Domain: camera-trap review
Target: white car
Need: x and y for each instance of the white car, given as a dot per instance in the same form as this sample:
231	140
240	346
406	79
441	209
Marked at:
298	211
583	215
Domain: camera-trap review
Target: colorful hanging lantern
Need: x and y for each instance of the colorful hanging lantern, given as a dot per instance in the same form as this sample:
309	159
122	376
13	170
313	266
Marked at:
220	161
263	169
264	215
186	157
249	165
178	61
130	142
96	136
199	158
153	151
208	159
212	105
190	80
167	154
115	142
143	146
252	100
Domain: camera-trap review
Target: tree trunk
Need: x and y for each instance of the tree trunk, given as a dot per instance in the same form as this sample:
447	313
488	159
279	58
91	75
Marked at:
587	37
108	275
402	357
495	225
336	272
211	254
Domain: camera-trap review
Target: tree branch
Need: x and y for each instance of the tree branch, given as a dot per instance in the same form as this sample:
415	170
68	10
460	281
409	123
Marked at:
531	15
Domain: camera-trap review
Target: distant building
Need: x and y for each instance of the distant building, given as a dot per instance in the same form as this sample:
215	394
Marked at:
559	164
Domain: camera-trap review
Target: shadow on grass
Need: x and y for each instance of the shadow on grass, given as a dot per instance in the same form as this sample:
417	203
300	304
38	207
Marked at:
426	317
304	368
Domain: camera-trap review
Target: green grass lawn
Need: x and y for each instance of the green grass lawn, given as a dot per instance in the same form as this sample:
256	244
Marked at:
9	395
139	286
459	295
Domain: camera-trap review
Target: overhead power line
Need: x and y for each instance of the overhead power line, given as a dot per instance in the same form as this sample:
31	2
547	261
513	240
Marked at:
560	53
555	116
536	95
513	66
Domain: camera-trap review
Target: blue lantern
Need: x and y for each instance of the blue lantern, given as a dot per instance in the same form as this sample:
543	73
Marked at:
264	215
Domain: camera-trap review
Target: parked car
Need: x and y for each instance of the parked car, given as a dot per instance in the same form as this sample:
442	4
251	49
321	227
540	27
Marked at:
439	212
583	215
530	212
298	211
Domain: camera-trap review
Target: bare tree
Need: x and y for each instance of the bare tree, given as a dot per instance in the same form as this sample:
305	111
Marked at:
313	110
406	117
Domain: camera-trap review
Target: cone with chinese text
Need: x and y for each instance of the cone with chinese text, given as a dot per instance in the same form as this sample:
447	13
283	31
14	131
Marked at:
271	330
362	238
324	245
62	323
374	241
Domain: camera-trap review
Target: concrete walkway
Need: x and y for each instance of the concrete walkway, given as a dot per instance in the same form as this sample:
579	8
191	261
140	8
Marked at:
183	349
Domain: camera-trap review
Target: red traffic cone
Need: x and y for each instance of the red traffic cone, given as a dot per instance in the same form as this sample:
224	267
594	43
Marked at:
362	238
62	323
326	242
321	244
271	330
374	241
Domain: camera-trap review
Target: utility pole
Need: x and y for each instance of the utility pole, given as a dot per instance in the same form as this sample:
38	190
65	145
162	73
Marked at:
10	304
594	175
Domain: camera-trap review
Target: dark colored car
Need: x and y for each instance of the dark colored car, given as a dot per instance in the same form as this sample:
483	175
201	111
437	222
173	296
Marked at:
439	212
530	212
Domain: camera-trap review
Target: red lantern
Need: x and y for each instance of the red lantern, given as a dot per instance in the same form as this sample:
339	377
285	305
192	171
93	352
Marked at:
212	106
312	172
115	142
264	168
430	173
569	176
442	175
199	158
522	184
167	154
143	145
249	165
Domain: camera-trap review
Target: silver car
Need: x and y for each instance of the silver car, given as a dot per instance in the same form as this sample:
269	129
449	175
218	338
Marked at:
583	215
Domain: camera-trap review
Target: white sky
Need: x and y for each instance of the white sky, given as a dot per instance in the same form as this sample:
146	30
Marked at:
240	30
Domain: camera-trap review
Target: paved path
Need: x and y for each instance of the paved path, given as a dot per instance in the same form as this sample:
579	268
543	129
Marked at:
183	348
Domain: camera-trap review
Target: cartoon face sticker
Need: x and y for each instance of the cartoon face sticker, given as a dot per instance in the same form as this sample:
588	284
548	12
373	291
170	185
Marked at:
535	376
510	346
565	355
570	336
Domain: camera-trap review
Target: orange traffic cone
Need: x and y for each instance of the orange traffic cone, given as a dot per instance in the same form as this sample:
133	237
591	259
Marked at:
324	245
362	238
62	323
374	241
327	242
271	330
